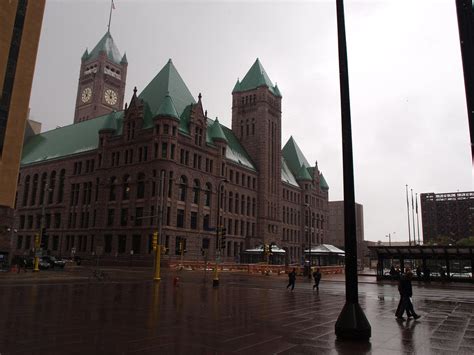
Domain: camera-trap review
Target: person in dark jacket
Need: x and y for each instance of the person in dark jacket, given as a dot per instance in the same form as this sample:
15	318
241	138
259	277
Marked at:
405	290
291	279
317	278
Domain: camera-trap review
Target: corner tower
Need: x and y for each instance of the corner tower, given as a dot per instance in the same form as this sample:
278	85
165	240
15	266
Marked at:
256	121
102	80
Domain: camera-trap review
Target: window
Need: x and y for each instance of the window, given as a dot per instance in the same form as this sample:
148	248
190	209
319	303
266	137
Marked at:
194	218
141	185
182	188
112	193
123	217
205	222
35	188
110	217
22	222
231	201
62	176
122	243
126	187
52	183
19	242
180	245
28	242
26	190
180	218
108	243
138	216
136	243
208	193
173	148
196	189
164	150
55	243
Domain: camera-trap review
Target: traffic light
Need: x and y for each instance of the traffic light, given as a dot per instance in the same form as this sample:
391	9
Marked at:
223	231
155	240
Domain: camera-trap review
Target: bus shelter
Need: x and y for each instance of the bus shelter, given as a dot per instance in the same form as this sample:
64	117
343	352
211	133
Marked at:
453	263
325	255
256	255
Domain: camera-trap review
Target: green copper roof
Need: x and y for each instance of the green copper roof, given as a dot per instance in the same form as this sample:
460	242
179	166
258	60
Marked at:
236	87
85	56
216	132
303	174
235	152
110	122
167	108
255	78
107	45
294	156
286	174
124	59
68	140
322	183
167	81
184	119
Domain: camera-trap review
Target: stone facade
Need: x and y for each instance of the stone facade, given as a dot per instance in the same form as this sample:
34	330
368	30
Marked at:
152	174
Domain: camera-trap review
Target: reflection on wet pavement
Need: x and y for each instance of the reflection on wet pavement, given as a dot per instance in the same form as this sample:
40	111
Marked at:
247	314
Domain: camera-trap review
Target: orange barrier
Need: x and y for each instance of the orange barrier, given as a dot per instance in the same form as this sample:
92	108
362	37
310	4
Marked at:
264	269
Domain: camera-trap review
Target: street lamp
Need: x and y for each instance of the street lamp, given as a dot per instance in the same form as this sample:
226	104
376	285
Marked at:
352	322
309	229
39	236
215	281
389	238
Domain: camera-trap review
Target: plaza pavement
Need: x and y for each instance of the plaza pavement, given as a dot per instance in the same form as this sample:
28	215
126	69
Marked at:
70	313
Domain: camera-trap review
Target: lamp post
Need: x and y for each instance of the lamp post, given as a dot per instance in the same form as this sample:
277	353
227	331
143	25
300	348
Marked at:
389	238
309	228
159	218
352	322
215	280
39	236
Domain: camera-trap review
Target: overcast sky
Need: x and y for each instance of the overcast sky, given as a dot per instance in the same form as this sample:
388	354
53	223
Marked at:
408	106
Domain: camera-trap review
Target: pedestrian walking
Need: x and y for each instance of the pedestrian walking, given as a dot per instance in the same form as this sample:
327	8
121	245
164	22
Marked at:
406	291
292	279
418	272
317	278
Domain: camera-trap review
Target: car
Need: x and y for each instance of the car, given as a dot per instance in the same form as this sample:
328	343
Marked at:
54	261
43	264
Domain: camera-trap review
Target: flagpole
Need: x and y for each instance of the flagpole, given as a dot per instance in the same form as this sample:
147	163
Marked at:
110	14
417	219
408	211
413	215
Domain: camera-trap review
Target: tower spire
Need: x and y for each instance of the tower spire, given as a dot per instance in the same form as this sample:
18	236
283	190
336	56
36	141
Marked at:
112	7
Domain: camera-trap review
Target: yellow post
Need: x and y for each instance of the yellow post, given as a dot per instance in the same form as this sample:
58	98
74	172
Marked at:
157	249
157	263
37	245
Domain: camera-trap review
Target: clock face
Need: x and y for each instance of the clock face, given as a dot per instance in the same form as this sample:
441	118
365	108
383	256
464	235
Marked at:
86	95
110	96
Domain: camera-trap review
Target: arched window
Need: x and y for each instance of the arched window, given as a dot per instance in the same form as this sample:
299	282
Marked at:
51	187
208	194
141	185
44	176
182	188
62	176
231	201
112	193
126	187
34	190
26	190
196	188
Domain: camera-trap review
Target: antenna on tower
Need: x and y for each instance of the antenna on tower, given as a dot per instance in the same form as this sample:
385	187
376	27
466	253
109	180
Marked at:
112	7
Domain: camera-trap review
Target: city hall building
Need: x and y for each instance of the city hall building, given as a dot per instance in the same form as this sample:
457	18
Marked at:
122	171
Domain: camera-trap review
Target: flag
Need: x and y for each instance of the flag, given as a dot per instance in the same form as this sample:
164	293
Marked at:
113	5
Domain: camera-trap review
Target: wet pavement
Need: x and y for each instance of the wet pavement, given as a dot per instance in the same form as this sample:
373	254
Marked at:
127	314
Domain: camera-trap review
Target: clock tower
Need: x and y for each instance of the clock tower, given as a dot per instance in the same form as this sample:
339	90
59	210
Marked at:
101	80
